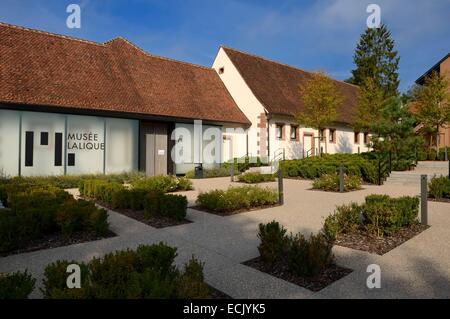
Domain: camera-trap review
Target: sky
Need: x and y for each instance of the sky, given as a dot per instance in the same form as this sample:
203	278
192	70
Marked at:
311	35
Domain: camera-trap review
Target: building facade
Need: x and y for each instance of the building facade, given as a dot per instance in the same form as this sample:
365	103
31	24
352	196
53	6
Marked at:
268	93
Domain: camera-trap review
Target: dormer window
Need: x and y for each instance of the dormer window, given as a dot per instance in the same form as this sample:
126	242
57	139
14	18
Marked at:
221	70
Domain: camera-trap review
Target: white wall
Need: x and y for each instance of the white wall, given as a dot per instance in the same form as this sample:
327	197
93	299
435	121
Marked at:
243	97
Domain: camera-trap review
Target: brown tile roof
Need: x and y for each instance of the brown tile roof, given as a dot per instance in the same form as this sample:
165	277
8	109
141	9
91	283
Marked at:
276	85
44	69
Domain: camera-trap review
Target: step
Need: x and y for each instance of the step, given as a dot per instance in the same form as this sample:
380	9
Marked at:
433	164
261	170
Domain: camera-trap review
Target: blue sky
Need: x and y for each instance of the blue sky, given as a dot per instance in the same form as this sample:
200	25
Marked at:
312	35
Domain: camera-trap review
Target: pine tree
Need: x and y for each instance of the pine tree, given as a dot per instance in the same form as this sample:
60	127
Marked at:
432	101
395	133
369	105
376	58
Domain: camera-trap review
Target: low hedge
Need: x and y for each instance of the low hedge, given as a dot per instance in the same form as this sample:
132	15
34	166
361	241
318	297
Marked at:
163	183
314	167
72	181
432	154
16	285
236	198
148	272
330	183
154	203
303	257
34	212
439	187
380	215
254	178
211	172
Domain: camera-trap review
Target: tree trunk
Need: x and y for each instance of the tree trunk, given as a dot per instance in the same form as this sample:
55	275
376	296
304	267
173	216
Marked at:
437	141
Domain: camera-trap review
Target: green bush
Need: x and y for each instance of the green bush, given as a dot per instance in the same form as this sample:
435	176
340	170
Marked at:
253	178
211	172
37	211
173	206
191	283
148	272
16	285
330	182
303	257
163	183
439	187
362	165
380	215
235	198
274	242
308	257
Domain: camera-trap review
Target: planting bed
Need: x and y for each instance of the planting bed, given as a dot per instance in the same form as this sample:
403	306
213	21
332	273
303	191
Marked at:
363	240
326	277
234	212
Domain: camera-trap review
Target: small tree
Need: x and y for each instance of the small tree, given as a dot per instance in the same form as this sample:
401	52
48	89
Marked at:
369	106
321	99
433	104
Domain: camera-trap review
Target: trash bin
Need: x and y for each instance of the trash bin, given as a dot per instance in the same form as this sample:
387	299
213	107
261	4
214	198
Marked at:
199	170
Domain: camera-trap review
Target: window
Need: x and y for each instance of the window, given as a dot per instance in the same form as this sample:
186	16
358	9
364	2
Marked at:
322	135
356	137
332	136
221	70
279	131
294	134
366	138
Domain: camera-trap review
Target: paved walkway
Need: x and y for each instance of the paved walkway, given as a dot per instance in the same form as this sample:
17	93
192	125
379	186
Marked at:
419	268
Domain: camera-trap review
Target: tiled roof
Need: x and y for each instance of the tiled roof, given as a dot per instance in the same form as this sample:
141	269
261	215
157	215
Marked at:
276	85
43	69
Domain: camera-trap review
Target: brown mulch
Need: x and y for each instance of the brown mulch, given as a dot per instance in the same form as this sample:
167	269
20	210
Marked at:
234	212
315	283
327	191
57	240
154	221
363	240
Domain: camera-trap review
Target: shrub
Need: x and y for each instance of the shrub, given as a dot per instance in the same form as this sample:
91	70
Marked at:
253	178
308	257
330	182
439	187
274	242
191	284
236	198
17	285
362	165
173	206
148	272
163	183
211	172
380	214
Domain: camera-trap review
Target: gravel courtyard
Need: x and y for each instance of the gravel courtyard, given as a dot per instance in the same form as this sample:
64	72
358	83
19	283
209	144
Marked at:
420	268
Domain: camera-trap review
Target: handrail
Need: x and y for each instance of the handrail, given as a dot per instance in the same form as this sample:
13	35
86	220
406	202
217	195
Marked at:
309	152
384	166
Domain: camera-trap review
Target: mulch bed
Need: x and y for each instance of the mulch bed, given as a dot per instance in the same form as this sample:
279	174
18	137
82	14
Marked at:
57	240
315	283
156	222
347	191
239	211
363	240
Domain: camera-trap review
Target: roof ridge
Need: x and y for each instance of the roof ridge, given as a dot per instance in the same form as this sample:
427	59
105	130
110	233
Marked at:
57	35
281	63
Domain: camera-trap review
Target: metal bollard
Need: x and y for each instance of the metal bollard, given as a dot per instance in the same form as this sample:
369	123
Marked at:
232	171
341	179
280	187
423	200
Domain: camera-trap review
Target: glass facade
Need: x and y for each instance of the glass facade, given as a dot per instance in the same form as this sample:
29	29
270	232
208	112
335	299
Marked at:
35	143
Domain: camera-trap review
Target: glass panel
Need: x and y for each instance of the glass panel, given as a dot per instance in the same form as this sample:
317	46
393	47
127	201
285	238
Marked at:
43	155
9	143
86	141
121	145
